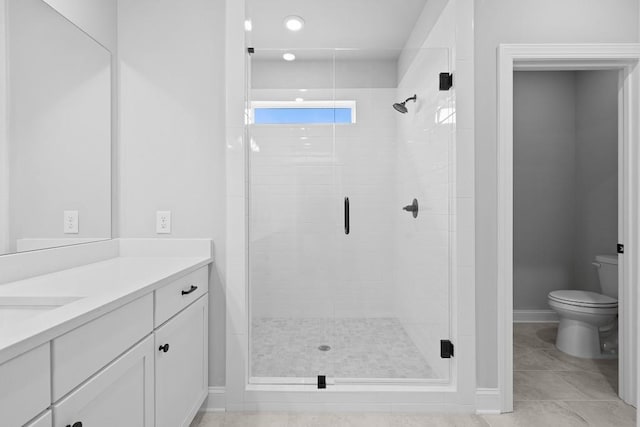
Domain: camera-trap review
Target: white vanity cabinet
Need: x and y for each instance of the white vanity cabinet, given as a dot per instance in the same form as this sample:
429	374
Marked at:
141	362
44	420
119	395
181	365
82	352
25	386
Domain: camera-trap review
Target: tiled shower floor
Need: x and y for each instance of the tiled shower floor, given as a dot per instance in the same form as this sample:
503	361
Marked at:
360	348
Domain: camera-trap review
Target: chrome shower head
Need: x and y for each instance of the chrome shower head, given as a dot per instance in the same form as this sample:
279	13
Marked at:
401	107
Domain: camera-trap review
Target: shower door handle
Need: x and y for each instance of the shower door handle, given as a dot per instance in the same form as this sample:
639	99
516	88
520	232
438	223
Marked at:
346	216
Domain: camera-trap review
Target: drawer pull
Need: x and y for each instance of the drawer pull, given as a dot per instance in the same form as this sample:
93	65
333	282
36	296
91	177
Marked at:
78	424
164	348
191	289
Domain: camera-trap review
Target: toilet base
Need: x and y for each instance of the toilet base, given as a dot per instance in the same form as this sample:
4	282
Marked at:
580	339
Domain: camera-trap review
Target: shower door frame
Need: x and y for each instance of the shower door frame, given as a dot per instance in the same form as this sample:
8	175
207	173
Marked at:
233	392
457	395
571	57
411	383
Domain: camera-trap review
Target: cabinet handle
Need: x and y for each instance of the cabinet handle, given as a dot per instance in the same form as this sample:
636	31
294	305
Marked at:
164	348
77	424
191	289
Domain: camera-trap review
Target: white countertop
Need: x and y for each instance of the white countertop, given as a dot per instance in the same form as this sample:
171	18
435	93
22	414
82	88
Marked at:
99	287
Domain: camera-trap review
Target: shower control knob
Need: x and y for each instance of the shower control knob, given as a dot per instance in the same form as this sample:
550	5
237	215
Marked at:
413	208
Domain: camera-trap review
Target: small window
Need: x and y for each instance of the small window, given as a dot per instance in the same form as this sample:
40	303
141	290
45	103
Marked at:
303	112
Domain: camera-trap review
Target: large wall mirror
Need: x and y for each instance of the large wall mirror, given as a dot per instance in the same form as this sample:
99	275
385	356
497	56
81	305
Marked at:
55	188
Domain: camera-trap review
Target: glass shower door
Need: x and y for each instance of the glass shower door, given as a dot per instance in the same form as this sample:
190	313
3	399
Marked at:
392	302
343	281
293	223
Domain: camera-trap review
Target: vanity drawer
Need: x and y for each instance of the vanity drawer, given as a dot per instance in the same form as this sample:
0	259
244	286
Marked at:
82	352
175	296
25	386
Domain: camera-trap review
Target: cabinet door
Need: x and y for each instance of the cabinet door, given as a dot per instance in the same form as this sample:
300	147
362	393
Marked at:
119	395
181	370
25	386
43	420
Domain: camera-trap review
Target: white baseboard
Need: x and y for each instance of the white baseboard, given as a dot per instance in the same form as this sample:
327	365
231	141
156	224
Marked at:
487	401
535	316
216	401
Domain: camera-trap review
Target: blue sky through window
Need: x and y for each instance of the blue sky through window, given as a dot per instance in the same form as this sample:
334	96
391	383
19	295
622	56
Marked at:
302	115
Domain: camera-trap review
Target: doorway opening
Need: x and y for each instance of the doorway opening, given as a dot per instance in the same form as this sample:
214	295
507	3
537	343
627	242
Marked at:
621	59
565	235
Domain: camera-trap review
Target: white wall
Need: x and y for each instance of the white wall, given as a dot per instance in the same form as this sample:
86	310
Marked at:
172	142
98	18
4	147
60	126
544	164
527	21
351	71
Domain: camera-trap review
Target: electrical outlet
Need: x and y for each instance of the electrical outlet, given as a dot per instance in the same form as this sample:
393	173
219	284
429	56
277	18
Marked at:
70	225
163	222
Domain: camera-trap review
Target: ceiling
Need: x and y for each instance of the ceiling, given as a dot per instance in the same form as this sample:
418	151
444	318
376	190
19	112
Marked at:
362	24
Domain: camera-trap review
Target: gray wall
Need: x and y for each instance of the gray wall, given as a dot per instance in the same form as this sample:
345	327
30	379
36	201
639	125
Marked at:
544	139
596	172
565	180
524	21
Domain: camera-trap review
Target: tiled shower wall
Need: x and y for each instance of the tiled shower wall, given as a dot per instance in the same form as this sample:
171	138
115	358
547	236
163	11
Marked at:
302	264
424	159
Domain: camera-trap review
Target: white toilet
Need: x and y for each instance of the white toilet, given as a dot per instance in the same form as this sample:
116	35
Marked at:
588	321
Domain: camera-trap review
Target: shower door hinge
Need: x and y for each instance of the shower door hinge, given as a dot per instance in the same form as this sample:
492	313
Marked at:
620	248
446	349
322	381
251	50
446	81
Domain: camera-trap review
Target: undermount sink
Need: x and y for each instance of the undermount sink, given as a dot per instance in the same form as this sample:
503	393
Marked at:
17	309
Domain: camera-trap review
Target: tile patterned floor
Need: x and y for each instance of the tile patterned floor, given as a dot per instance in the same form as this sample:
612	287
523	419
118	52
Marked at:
550	389
360	348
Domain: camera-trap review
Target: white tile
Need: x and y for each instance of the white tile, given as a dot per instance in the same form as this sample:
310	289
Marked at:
465	163
235	162
464	30
466	299
465	237
464	83
235	369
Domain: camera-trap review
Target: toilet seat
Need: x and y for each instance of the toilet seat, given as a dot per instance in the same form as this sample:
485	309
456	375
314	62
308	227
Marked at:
583	299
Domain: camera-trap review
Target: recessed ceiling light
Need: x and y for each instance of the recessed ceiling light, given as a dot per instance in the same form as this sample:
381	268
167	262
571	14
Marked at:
288	56
248	25
293	23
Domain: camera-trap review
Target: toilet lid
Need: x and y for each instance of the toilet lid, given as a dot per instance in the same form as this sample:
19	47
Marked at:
583	299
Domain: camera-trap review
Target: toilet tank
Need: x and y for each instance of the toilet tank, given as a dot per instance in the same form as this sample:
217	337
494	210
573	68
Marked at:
608	274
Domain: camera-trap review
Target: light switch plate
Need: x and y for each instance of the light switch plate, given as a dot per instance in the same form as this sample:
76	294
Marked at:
163	222
70	225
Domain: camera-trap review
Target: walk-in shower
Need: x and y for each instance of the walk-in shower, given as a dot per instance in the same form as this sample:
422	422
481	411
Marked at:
343	284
